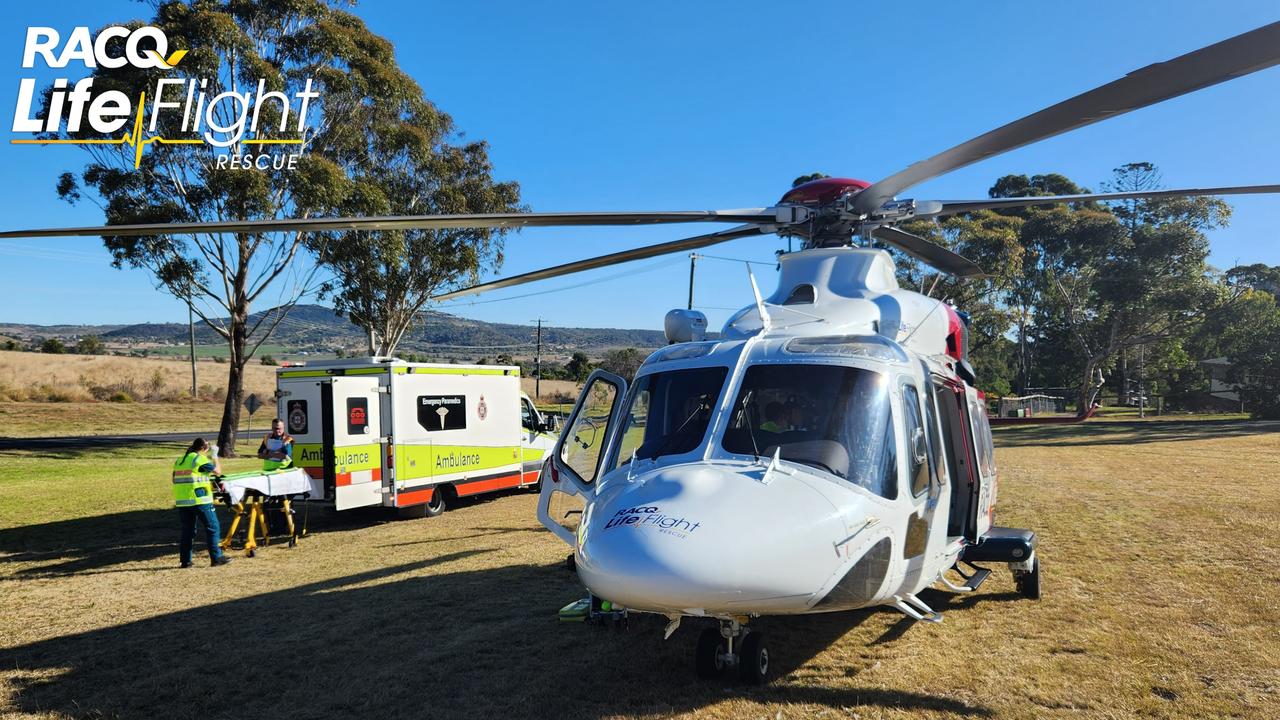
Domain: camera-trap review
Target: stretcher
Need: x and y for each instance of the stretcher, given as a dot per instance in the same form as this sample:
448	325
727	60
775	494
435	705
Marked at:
250	493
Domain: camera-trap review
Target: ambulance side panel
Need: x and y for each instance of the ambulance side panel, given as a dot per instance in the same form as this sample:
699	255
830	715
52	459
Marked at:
457	427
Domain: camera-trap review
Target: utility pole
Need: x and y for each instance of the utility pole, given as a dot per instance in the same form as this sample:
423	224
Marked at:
191	332
693	262
537	364
1142	381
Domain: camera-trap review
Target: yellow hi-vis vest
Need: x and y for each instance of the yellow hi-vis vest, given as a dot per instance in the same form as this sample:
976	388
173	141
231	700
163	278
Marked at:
269	464
190	486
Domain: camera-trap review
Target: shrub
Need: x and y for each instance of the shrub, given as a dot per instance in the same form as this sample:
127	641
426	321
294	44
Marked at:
156	384
219	359
268	360
53	346
120	397
90	345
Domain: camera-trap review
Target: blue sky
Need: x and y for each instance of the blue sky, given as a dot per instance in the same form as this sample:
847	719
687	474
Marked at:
666	106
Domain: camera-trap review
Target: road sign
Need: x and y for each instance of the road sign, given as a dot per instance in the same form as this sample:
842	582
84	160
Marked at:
252	403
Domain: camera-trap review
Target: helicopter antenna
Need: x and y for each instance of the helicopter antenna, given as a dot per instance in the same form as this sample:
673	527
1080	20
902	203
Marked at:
755	290
934	285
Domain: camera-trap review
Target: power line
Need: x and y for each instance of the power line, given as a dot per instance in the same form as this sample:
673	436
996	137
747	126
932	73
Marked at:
597	281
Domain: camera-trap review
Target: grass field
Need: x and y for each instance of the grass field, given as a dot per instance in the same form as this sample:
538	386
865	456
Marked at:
1161	573
43	395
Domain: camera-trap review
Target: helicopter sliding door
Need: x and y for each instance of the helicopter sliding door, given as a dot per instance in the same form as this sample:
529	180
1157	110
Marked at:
962	459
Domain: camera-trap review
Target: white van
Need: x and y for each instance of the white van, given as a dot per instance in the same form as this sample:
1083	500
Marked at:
381	431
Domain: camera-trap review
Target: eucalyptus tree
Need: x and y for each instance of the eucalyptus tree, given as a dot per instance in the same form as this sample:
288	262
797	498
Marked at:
341	101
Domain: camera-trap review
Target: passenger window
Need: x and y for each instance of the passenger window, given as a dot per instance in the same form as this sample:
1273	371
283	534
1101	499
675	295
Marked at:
936	450
982	440
918	456
585	438
526	415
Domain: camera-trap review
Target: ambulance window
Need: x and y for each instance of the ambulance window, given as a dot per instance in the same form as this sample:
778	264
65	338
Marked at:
526	414
918	459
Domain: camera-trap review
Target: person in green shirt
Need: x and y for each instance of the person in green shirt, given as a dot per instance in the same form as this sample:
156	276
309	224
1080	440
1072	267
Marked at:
276	450
193	487
774	417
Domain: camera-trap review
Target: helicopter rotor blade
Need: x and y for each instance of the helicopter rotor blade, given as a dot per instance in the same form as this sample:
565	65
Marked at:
954	207
928	252
412	222
1235	57
648	251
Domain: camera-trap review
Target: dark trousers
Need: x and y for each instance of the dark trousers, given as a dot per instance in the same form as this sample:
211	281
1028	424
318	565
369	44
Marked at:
212	533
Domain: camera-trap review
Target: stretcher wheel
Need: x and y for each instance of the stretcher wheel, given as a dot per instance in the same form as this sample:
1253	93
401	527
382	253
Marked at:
251	552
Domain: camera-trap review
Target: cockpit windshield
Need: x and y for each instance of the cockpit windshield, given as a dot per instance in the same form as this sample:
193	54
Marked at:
668	412
837	419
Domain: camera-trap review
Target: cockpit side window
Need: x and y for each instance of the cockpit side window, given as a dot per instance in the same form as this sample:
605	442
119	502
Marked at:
668	412
834	418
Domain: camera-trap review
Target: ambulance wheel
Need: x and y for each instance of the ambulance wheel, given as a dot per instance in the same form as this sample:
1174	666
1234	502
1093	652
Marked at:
753	660
1028	583
708	658
437	503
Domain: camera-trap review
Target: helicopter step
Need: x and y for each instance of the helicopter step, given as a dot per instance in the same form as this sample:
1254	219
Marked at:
972	579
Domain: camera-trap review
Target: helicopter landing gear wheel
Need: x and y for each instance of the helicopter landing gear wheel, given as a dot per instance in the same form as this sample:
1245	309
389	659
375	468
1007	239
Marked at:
1028	581
753	660
709	656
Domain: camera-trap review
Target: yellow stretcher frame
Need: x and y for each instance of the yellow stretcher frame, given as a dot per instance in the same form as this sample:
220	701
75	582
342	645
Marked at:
254	506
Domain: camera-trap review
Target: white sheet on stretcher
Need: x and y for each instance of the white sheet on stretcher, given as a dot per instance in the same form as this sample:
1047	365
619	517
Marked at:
276	484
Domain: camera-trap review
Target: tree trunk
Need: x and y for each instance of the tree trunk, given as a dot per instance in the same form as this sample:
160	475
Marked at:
1087	387
235	388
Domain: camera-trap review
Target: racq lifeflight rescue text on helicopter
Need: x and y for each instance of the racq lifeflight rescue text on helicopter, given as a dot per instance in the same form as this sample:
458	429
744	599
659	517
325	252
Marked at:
830	450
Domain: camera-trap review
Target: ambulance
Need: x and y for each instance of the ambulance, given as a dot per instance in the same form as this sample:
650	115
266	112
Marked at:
411	436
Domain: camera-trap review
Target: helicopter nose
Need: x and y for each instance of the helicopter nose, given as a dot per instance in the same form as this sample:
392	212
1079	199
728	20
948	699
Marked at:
709	538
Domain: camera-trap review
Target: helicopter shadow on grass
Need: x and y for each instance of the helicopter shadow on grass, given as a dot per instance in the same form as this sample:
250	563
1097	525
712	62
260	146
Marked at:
1120	432
432	637
105	543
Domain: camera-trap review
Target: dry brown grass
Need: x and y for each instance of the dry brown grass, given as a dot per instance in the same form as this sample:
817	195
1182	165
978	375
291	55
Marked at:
1158	540
80	378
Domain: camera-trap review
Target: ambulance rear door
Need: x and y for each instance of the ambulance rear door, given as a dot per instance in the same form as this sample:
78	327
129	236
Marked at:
298	404
353	430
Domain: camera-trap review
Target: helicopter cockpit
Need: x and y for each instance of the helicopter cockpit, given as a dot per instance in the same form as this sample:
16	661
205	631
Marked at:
821	403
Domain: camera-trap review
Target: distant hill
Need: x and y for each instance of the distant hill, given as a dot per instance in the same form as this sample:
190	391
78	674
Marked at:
320	329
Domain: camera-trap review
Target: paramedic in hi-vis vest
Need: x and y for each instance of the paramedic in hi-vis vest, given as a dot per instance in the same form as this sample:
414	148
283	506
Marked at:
276	449
193	494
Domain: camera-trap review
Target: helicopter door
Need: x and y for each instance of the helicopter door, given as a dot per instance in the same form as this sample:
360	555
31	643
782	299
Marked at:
579	454
984	452
964	479
925	468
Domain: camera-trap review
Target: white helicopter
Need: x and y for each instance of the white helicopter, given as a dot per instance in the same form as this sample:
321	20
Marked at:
829	450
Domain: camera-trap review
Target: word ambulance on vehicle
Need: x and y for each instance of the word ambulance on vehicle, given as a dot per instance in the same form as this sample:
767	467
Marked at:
413	436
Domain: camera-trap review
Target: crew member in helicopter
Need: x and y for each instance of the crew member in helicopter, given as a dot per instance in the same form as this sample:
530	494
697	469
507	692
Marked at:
775	418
